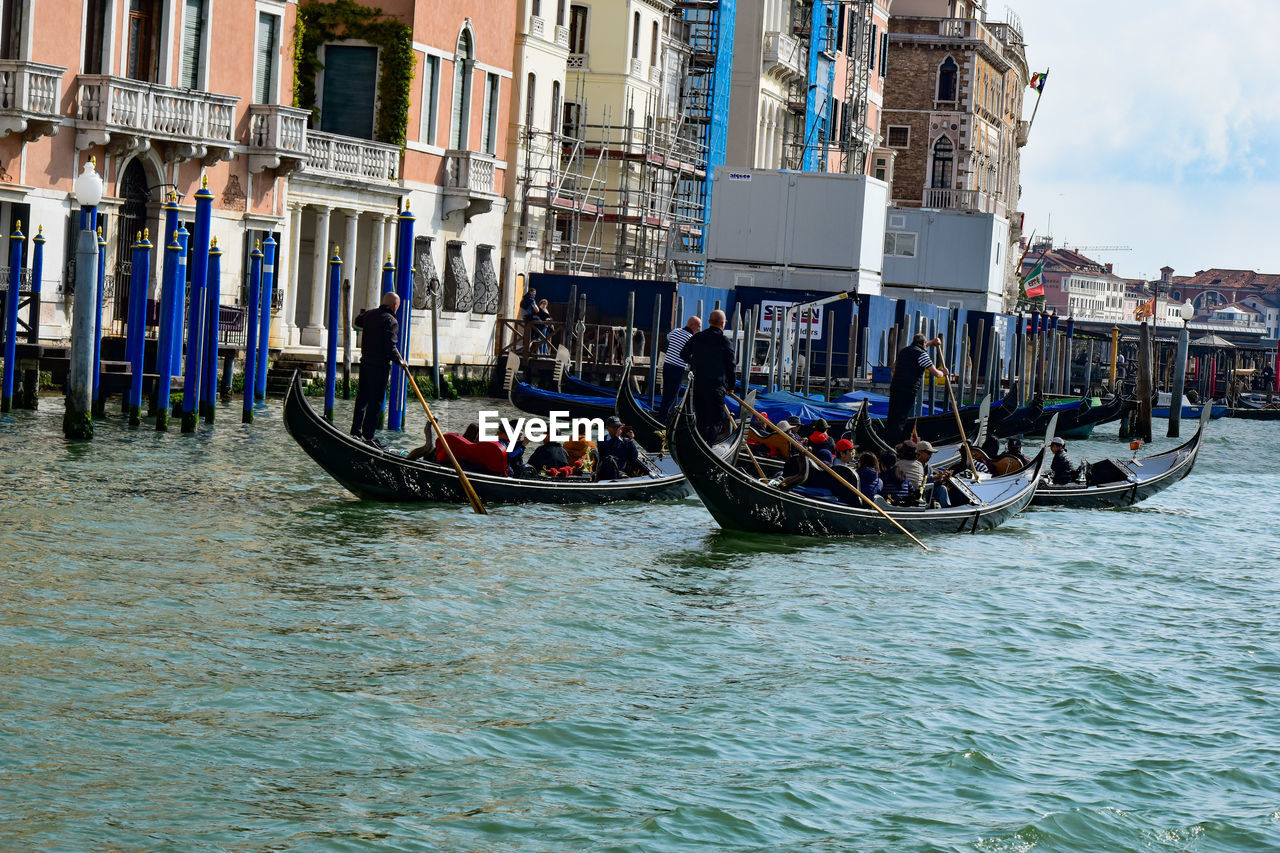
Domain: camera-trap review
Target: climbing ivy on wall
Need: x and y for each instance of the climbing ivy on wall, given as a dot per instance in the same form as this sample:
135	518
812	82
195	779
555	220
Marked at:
319	23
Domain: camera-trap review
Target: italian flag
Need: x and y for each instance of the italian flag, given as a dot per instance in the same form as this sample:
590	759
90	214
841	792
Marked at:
1037	80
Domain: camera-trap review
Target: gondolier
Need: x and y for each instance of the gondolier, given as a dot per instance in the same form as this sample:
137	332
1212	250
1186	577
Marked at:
913	362
673	366
710	355
379	348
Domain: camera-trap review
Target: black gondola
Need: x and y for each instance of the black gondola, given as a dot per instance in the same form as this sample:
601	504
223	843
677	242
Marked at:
739	501
537	401
1124	482
650	431
375	474
1079	422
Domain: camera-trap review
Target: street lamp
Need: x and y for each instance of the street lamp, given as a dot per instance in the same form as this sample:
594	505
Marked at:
87	191
1186	311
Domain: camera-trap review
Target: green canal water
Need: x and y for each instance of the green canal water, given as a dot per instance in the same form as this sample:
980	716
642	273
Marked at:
206	644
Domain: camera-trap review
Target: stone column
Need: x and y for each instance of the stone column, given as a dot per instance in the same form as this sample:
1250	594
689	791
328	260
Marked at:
349	262
315	333
287	278
377	256
390	229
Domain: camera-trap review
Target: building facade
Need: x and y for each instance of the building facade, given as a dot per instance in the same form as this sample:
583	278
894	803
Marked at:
319	147
952	111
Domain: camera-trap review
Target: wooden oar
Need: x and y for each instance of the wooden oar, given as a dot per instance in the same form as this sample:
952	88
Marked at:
472	497
955	410
752	456
825	467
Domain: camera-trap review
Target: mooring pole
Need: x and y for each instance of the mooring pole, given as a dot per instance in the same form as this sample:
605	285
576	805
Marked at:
180	301
212	320
435	339
164	322
829	329
164	346
251	339
1179	381
808	348
31	376
99	405
264	319
199	247
77	421
1144	383
11	317
404	287
653	346
346	338
331	351
136	342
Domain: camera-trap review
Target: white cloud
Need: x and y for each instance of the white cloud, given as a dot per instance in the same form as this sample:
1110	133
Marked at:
1157	122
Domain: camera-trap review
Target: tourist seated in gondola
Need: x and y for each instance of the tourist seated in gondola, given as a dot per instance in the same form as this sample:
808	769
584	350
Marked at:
869	482
1061	470
581	449
619	453
769	444
1012	459
821	445
920	480
891	485
547	456
514	451
820	427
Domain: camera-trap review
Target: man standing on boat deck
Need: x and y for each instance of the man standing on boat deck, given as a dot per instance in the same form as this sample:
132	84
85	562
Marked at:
913	362
379	348
710	356
673	366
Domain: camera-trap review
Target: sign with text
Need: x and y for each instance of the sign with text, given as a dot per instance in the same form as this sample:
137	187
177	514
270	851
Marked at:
810	319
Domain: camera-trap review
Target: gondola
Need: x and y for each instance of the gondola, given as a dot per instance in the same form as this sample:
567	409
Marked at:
650	432
1255	413
538	401
1124	482
1077	418
739	501
382	475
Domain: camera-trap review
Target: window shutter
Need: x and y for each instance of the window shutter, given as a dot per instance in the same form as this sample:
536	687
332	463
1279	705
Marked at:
192	36
265	59
350	89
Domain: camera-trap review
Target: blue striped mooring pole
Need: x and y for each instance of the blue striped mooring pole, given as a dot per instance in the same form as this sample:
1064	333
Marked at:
251	332
136	342
168	336
11	316
264	324
196	307
331	355
404	287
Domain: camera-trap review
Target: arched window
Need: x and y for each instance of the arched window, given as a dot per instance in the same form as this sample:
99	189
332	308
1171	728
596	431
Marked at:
947	74
555	104
635	38
463	64
653	46
529	89
944	159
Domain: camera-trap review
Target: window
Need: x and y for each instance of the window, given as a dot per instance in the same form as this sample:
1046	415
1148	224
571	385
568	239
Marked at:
943	164
95	25
264	69
653	45
537	8
884	53
349	90
143	33
882	169
947	74
463	61
899	136
871	49
489	136
572	119
578	29
11	46
559	19
193	43
635	38
529	88
555	103
900	244
840	28
430	100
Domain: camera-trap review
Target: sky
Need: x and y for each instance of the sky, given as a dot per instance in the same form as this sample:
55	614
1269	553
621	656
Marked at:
1158	130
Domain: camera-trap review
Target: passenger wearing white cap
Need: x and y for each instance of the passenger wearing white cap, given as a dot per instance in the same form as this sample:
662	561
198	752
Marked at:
918	473
1061	467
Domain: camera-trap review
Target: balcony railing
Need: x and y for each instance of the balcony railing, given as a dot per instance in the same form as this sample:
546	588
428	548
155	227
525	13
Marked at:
655	74
562	36
945	199
577	61
637	67
277	137
29	97
470	182
348	157
782	56
537	26
133	112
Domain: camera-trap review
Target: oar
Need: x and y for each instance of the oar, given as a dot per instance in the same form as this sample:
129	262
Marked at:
825	467
755	464
955	410
466	484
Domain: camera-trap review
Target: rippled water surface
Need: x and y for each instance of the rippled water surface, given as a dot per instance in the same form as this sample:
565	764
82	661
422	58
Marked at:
207	644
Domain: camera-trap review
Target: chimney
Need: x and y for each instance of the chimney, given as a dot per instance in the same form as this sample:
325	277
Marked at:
1108	269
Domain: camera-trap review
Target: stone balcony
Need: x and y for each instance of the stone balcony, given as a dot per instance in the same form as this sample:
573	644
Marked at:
128	116
277	138
363	160
470	183
979	202
29	98
782	57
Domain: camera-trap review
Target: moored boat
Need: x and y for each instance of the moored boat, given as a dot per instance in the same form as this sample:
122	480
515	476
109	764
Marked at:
739	501
375	474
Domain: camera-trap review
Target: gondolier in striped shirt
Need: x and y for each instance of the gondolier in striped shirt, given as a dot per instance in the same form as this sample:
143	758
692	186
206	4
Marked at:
913	362
673	366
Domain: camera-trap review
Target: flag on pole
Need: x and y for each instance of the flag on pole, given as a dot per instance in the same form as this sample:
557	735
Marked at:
1035	290
1037	80
1036	272
1145	309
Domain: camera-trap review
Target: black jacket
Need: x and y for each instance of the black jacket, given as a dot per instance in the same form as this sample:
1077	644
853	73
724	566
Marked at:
550	455
710	357
381	336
